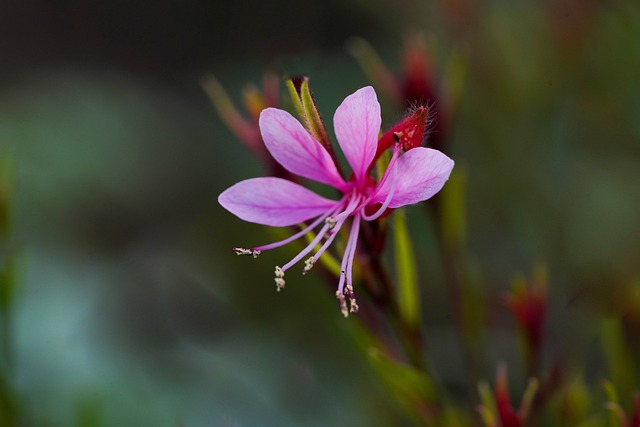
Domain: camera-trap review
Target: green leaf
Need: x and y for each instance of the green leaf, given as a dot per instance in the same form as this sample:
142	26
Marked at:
574	402
454	77
413	388
454	222
621	362
486	397
374	68
316	125
306	107
451	416
408	292
295	98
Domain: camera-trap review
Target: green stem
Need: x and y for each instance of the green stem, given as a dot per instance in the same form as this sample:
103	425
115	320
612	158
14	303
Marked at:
380	287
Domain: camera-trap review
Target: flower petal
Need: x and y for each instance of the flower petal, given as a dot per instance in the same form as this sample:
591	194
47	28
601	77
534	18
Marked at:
273	201
295	149
421	173
357	124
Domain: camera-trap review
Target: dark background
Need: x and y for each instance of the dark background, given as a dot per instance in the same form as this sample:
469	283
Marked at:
131	310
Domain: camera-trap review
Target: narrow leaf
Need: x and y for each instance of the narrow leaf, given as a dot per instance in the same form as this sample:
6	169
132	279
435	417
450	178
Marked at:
487	417
454	222
408	292
454	78
412	388
244	130
295	98
486	397
375	69
314	120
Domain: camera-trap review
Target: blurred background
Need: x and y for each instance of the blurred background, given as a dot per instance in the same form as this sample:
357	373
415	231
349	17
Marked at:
128	307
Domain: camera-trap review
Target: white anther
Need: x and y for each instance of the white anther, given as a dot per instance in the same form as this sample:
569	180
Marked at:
308	265
244	251
353	304
343	304
279	278
331	221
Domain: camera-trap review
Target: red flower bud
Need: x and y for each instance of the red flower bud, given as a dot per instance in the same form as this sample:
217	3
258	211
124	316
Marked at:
508	416
410	132
498	407
528	304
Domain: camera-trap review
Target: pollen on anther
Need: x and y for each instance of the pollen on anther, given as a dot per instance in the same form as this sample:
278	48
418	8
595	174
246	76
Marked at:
331	221
308	265
343	304
353	304
279	278
244	251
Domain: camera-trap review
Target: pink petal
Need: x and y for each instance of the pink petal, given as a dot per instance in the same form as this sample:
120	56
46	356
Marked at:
421	173
295	149
357	124
273	201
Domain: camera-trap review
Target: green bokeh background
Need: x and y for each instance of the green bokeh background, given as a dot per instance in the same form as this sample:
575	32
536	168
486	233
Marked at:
131	309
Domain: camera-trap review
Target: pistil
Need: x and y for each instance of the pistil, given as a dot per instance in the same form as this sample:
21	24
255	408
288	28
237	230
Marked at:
387	200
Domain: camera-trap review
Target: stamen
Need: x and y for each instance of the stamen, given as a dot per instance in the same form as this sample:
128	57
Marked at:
351	207
308	249
279	278
385	176
334	231
343	277
355	231
349	252
331	221
353	304
343	304
384	206
244	251
304	231
308	265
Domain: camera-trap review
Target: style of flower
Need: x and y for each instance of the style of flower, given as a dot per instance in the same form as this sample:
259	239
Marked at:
409	178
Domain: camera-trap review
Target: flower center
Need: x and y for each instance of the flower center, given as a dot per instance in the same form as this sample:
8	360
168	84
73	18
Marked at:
355	200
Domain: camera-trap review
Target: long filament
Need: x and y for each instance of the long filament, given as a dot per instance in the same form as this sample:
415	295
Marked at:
385	176
355	230
387	201
299	234
308	249
342	218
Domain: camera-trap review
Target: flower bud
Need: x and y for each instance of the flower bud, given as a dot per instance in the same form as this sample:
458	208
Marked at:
499	406
528	304
410	132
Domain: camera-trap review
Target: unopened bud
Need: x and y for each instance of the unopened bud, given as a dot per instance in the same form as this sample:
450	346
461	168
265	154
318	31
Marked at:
409	132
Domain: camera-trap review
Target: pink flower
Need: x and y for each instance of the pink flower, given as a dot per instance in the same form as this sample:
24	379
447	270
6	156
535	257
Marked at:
410	178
